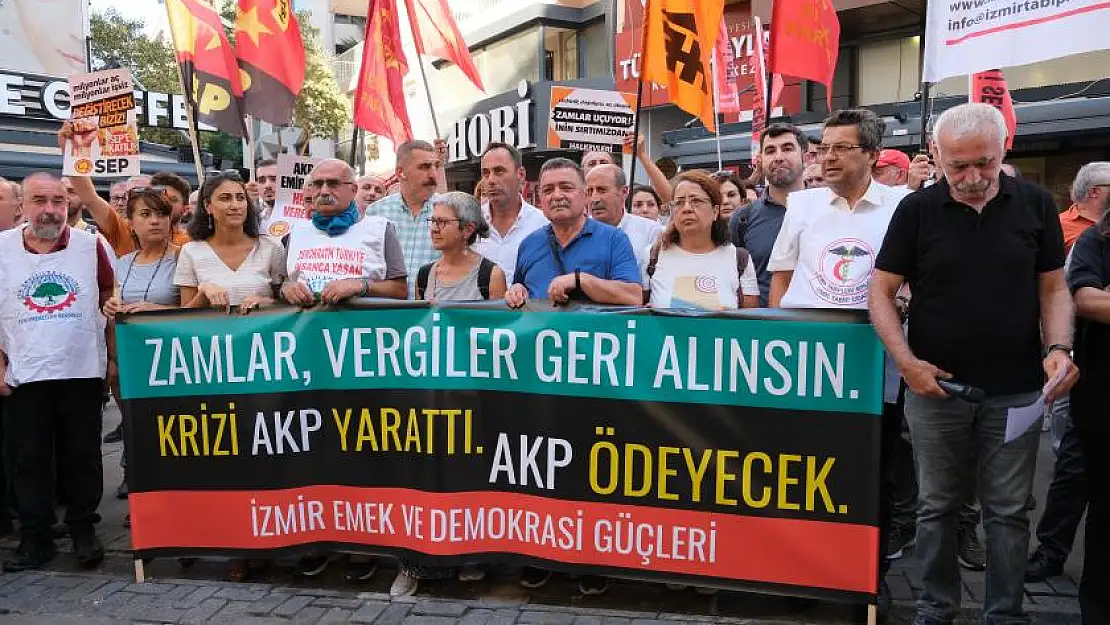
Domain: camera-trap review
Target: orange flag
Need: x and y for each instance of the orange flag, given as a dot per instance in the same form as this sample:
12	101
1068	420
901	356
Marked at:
805	40
678	45
436	34
271	53
380	96
989	87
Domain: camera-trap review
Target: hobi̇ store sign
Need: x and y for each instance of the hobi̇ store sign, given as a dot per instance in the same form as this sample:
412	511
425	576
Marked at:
44	97
511	124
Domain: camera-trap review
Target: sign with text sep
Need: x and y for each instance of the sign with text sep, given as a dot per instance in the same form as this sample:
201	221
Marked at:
103	131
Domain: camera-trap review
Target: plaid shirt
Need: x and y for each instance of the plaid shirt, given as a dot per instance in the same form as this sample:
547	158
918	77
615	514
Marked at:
414	233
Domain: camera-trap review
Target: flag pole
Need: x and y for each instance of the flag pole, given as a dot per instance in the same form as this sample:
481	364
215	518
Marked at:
427	88
354	145
926	112
639	99
250	145
190	118
717	116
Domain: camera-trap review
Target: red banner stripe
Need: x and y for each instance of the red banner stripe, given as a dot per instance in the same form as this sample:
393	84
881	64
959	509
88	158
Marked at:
815	554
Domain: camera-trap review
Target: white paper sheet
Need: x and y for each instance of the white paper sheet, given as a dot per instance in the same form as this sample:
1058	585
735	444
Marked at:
1020	419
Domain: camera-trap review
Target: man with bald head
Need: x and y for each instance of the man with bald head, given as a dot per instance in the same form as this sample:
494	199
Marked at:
607	196
370	189
9	205
58	352
595	158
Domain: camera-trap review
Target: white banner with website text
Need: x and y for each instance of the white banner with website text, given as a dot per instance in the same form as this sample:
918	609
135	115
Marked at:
968	36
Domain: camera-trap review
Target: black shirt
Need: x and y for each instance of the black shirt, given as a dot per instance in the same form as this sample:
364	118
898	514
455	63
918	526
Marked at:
755	228
974	277
1090	267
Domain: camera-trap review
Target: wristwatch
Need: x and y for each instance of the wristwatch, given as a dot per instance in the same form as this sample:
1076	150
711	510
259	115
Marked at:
1058	347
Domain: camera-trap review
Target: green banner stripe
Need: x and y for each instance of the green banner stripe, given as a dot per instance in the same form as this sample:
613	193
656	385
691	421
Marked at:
804	365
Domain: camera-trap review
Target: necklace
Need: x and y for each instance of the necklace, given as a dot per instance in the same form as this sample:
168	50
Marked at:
146	292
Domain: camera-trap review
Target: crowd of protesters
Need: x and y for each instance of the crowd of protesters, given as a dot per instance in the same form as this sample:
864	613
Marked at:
960	263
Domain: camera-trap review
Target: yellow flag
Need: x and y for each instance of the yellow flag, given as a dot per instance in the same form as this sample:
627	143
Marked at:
678	43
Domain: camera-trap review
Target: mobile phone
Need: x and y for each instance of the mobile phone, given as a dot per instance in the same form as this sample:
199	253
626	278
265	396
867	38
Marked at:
965	392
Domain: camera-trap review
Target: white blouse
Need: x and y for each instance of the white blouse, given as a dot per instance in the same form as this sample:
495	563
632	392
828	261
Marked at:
263	269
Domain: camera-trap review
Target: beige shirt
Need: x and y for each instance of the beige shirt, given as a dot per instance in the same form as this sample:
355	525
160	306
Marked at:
263	268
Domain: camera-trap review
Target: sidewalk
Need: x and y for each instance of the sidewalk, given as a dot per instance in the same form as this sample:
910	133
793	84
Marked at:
198	595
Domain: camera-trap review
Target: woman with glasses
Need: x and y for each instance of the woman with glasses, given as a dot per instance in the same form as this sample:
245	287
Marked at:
646	203
461	274
144	278
734	192
228	263
695	266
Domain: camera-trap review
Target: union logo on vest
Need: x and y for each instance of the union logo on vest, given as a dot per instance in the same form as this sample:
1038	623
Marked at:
48	292
844	271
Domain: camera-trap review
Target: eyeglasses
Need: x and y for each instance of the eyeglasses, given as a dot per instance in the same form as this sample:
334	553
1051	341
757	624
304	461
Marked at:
836	149
694	202
331	183
439	223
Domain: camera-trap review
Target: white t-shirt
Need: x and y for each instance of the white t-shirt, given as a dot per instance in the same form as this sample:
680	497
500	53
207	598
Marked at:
830	247
363	251
502	249
642	233
263	269
707	281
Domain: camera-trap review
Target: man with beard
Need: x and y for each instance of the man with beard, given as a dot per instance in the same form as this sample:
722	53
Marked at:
510	218
57	355
265	175
418	168
607	195
756	227
370	189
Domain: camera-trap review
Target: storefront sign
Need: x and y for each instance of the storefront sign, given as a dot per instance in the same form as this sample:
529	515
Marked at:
103	138
42	97
723	450
511	124
590	119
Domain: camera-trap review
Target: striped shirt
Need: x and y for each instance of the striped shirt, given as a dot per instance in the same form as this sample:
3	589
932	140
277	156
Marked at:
414	233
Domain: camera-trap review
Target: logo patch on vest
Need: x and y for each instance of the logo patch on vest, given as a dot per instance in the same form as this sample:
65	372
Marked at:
48	292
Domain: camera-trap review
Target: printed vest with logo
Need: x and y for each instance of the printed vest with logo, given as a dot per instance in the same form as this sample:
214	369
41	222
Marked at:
50	310
316	259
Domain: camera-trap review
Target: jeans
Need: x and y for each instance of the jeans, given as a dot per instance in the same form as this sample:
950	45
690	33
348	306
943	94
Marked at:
1067	496
904	513
946	433
36	413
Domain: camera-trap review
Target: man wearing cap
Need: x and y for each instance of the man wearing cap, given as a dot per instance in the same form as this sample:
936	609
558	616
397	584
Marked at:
892	168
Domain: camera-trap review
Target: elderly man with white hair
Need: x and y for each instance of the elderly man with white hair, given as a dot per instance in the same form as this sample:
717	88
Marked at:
983	254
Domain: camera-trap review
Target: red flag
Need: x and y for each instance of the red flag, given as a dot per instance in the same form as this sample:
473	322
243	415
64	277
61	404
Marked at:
759	83
724	66
380	96
805	41
271	54
989	87
436	34
208	65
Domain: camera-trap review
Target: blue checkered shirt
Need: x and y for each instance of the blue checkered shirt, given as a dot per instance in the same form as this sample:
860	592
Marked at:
414	233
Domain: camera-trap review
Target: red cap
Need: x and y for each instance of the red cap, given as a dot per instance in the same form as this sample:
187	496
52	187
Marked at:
893	157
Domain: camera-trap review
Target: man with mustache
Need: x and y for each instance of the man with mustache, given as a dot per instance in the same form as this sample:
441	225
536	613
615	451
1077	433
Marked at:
824	257
419	167
58	353
756	227
370	190
607	194
983	253
265	175
511	219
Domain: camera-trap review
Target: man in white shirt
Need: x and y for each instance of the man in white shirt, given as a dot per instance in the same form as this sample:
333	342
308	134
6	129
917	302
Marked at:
509	216
607	192
825	253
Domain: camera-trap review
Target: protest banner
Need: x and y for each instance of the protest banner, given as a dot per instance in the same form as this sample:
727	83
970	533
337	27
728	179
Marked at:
289	204
590	119
731	451
104	138
969	36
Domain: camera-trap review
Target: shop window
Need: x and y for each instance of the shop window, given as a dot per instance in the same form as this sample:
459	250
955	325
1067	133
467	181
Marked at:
888	71
561	54
1077	68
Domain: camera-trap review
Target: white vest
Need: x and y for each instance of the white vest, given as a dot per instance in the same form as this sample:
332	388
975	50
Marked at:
316	259
50	310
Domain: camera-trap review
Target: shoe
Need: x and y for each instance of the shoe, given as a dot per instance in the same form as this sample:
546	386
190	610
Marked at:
87	549
60	530
1040	568
115	435
404	585
30	556
971	553
360	571
534	578
311	566
471	574
593	585
127	520
900	539
123	491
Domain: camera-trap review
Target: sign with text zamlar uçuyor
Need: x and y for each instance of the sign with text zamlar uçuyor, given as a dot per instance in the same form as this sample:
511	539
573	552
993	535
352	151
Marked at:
728	451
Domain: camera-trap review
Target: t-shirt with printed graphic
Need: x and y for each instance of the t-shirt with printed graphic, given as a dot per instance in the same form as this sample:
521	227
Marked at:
830	247
707	281
369	249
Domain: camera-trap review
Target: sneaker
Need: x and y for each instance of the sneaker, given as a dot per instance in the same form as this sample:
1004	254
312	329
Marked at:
87	548
971	553
360	571
123	491
311	566
593	585
900	539
404	585
30	555
115	435
471	574
1040	568
533	578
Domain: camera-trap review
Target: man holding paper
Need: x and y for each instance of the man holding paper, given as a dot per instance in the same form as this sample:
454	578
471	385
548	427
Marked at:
983	254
